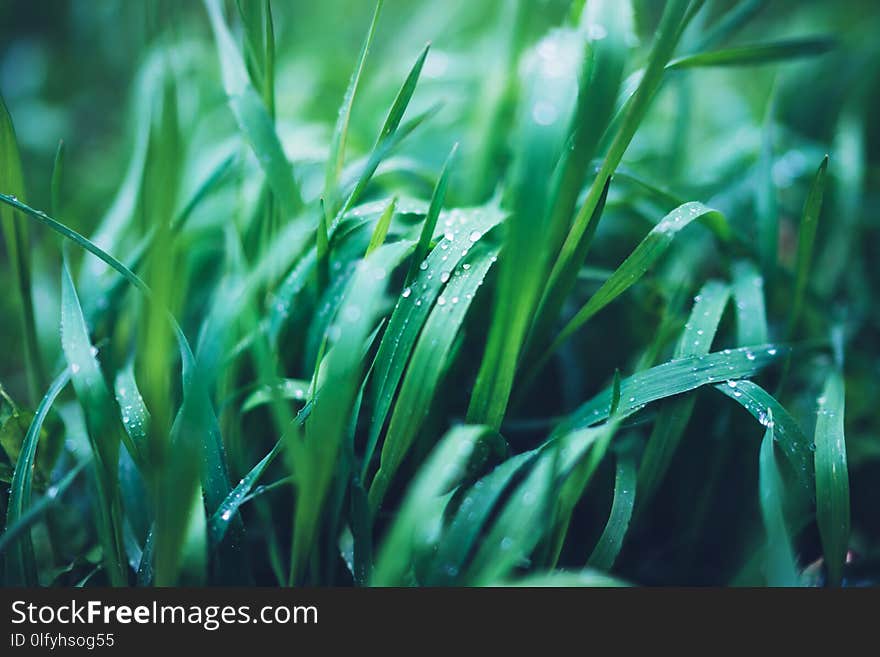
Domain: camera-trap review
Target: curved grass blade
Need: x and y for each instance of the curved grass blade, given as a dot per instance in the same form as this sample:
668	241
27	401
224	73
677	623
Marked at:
696	340
135	416
103	426
796	447
219	521
461	230
566	265
608	547
426	367
639	261
296	389
20	567
757	54
780	568
446	466
673	378
832	478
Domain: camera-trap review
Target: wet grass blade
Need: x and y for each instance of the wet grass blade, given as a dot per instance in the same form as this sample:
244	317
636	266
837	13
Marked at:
427	365
638	262
673	378
780	568
20	566
832	478
787	434
461	230
437	199
696	340
757	54
102	421
219	521
608	546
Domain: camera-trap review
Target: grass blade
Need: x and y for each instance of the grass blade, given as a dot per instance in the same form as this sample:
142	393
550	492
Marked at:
20	567
253	117
757	54
780	567
832	478
340	131
696	340
426	367
608	547
806	238
18	247
673	378
638	262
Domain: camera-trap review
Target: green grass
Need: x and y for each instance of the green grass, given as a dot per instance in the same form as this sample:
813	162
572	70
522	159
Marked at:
503	293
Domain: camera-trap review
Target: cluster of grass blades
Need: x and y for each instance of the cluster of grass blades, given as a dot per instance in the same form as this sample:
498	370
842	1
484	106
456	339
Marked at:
446	343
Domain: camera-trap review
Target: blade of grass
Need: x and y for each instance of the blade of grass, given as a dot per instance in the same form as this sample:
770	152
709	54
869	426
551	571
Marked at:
18	248
636	264
340	131
832	477
102	423
381	230
806	238
20	568
35	511
461	230
437	198
673	378
426	367
780	567
696	340
567	264
608	546
757	54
